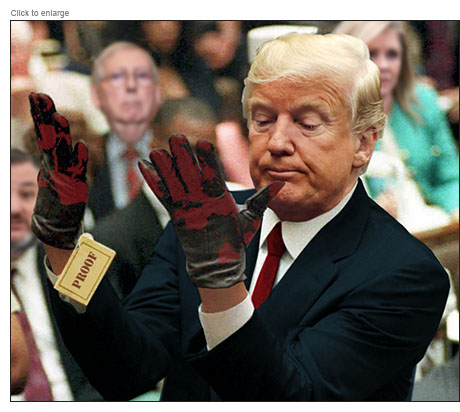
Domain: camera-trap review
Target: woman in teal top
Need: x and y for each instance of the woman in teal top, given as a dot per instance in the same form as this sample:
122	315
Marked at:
417	128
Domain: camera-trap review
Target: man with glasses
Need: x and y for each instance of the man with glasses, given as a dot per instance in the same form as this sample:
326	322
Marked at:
125	88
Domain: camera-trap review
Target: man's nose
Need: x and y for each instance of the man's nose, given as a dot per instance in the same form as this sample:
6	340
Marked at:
131	81
15	204
280	143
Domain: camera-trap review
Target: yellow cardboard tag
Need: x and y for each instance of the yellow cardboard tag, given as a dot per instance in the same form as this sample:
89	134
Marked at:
85	269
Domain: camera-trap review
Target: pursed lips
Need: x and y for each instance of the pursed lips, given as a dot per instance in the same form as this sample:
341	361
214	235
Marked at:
281	173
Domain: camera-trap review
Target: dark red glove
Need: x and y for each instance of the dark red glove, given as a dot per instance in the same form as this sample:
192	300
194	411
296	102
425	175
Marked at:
212	229
62	187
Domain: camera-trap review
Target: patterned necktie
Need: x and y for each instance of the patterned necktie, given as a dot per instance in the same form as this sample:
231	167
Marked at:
276	248
38	387
133	179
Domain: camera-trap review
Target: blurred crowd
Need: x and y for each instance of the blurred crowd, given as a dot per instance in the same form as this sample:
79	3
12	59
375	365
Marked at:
126	86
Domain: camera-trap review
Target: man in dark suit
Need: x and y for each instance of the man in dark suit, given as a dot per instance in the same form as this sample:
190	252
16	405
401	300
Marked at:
59	374
124	86
346	301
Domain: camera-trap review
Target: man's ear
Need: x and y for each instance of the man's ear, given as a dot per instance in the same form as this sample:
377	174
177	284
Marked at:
95	96
365	145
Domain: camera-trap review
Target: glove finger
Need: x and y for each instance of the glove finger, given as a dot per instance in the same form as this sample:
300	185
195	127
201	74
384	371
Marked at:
155	182
213	177
80	160
185	161
167	171
62	150
42	109
250	216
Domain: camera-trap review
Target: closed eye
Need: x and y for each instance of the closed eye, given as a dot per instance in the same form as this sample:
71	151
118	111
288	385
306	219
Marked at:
262	122
309	127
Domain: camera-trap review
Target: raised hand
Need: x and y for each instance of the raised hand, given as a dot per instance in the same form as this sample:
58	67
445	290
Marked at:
63	191
213	230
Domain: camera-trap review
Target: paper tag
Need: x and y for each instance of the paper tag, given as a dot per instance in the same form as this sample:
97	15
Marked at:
85	269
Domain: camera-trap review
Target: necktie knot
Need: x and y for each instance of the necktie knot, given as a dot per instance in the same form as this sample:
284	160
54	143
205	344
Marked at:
275	244
130	154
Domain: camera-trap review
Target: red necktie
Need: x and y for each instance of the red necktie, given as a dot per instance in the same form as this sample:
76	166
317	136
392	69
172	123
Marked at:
276	248
132	175
37	387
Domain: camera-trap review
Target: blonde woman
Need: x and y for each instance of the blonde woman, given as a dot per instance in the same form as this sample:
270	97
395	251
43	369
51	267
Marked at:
418	145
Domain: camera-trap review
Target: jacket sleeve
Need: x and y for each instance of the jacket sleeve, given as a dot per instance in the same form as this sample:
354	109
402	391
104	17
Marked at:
125	349
378	331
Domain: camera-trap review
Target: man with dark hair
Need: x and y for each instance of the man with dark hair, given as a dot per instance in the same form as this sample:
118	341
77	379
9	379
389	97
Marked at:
53	374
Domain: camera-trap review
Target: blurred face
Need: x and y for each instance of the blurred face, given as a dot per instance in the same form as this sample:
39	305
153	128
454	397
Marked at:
386	53
194	130
162	35
300	134
24	191
127	93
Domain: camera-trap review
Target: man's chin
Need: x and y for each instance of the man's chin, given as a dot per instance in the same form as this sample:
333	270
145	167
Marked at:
19	236
283	207
21	242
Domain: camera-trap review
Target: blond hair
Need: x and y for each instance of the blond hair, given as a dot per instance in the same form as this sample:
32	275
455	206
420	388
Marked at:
341	59
367	31
97	72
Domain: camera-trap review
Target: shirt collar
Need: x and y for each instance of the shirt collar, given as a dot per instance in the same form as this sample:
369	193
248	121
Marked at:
25	262
117	147
160	211
297	235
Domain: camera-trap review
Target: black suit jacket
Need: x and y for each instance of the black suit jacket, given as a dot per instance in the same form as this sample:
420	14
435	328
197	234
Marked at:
133	233
79	385
100	195
349	321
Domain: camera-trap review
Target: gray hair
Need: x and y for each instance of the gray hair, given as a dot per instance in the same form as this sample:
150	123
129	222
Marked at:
97	72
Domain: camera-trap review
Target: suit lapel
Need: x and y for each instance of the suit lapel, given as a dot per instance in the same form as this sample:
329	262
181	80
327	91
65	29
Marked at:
100	197
315	268
251	258
298	290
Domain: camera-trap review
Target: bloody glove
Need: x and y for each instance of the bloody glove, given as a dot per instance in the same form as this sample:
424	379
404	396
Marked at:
62	187
213	230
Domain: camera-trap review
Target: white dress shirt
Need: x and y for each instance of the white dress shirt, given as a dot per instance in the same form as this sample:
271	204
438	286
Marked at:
160	210
30	292
296	236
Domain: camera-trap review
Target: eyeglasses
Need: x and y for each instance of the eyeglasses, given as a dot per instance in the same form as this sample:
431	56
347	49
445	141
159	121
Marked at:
120	77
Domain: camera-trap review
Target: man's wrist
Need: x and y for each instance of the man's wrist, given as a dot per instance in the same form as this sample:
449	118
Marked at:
57	258
219	326
218	300
53	277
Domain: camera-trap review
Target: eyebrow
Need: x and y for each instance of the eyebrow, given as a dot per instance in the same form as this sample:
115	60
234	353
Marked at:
28	184
307	104
257	102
